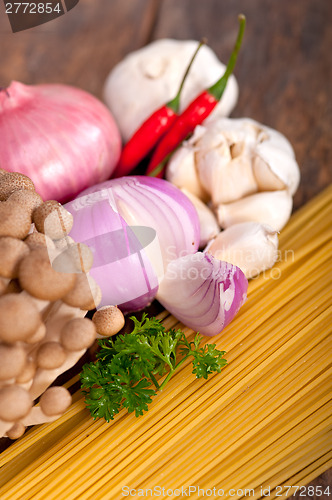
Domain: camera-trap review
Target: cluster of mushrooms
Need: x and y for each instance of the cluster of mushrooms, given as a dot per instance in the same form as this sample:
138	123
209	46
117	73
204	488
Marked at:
45	293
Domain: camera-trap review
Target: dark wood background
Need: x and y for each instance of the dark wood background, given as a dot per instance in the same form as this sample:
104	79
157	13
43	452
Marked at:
284	69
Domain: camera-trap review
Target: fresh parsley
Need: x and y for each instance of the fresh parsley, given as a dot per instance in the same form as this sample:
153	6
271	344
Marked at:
127	368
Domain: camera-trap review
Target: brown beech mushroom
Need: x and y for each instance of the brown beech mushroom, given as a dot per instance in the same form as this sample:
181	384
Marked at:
14	286
30	199
16	431
12	361
81	255
35	240
37	277
15	403
27	373
85	294
55	401
53	219
38	335
108	320
50	355
77	334
19	317
12	251
15	220
13	181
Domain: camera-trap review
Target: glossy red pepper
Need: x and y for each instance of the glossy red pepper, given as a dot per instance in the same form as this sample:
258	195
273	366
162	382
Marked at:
197	111
151	131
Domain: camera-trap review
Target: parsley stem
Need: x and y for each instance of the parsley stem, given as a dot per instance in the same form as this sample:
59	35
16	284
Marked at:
172	371
153	378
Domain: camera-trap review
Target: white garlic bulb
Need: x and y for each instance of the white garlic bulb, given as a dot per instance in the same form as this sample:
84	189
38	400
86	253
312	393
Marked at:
149	77
251	246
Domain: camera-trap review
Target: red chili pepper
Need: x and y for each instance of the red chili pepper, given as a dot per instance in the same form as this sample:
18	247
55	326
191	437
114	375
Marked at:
149	133
194	114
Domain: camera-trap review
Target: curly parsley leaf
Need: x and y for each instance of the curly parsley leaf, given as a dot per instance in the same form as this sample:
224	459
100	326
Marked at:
126	368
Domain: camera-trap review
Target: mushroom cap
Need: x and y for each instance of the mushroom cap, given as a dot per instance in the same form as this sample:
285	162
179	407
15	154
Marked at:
12	250
15	220
81	255
3	285
86	294
16	431
36	240
77	334
14	181
15	403
27	373
38	335
30	199
50	355
37	276
53	219
19	317
12	361
55	401
108	320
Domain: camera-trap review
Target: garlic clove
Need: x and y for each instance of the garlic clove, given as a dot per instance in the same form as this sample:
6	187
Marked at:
275	169
272	208
251	246
208	223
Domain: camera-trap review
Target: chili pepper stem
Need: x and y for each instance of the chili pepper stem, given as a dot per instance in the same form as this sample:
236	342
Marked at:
174	104
218	88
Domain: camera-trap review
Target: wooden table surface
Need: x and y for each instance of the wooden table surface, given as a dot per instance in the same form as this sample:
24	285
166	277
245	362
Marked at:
284	69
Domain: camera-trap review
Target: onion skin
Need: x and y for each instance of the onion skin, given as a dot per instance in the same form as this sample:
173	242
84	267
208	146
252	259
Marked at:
61	137
103	216
202	292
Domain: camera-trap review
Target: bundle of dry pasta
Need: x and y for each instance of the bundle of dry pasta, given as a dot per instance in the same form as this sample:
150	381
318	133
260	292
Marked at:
260	425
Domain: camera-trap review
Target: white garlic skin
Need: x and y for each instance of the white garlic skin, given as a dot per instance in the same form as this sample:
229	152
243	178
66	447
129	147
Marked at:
207	220
271	207
149	77
251	246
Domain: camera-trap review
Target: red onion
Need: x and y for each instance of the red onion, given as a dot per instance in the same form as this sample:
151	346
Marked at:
63	138
129	262
203	292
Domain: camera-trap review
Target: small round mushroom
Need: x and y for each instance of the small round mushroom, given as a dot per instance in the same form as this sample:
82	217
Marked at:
14	181
36	240
12	361
86	294
108	320
15	220
77	334
12	251
3	171
3	285
53	219
15	403
16	431
81	255
27	373
50	355
38	335
19	317
55	401
30	199
37	276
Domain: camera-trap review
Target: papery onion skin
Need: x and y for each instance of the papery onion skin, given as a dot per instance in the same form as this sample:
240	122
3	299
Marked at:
130	279
203	293
62	137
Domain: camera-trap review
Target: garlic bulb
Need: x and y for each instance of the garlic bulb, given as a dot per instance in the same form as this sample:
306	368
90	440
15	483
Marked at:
149	77
251	246
208	223
271	207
